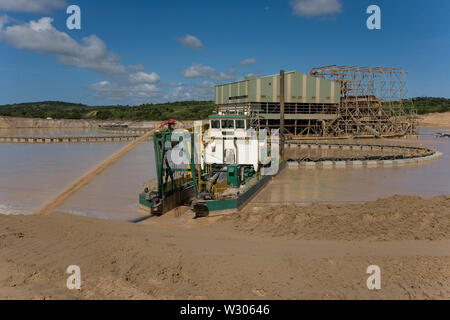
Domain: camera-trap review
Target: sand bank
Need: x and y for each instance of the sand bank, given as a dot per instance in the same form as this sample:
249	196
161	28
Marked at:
394	218
438	120
15	123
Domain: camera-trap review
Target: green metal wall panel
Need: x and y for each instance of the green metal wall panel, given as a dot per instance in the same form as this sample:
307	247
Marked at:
234	90
296	87
310	89
251	89
325	91
266	89
218	95
337	92
299	87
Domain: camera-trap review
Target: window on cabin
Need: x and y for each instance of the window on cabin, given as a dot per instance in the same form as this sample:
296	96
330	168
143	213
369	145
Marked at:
215	124
240	124
227	124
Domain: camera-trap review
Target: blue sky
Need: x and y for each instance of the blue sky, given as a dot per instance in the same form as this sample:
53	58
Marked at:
132	52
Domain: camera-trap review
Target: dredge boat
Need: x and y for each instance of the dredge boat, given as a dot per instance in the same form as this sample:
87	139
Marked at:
215	167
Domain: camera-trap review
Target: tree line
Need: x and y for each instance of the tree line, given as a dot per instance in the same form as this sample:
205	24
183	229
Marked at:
183	110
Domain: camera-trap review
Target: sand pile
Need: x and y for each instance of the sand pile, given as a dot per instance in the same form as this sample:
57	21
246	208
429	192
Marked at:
203	259
394	218
435	120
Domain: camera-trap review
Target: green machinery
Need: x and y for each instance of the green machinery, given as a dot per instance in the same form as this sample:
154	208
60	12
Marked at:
239	174
212	189
175	184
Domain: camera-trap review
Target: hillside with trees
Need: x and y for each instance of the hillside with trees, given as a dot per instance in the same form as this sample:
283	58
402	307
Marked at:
182	110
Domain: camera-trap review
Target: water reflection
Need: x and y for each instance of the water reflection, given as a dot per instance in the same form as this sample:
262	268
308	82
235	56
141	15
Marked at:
31	174
363	184
114	194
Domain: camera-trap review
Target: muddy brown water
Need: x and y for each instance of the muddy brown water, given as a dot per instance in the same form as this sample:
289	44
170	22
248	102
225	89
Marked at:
31	174
302	186
88	177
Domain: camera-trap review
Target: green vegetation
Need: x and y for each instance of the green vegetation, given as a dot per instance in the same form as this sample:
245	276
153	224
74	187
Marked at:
185	110
425	105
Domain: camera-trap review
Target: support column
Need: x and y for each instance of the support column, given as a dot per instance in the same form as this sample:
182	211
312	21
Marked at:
282	110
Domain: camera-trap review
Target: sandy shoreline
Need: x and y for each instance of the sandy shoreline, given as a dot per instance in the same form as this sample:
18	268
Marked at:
38	123
435	120
245	256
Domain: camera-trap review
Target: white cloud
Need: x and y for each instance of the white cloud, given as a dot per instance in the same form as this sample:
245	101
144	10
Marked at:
136	68
173	84
191	42
41	36
203	91
127	93
313	8
247	62
145	90
4	19
143	77
35	6
207	72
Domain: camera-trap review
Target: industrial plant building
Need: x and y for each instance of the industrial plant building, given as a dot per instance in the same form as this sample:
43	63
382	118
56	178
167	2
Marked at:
329	101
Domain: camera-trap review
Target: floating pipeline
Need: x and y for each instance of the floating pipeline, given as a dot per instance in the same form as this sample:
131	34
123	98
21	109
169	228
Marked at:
361	158
442	135
419	152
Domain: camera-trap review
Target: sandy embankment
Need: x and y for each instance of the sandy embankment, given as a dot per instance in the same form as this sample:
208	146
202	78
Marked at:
314	252
13	123
10	123
394	218
437	120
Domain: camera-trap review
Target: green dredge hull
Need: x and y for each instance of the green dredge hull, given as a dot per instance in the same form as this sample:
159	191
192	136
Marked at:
175	199
210	189
208	207
223	206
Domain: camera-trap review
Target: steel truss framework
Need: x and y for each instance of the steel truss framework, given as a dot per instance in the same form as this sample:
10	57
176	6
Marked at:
371	100
371	104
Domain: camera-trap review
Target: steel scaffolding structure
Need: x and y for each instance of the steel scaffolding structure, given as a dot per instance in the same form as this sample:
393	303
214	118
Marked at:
371	101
